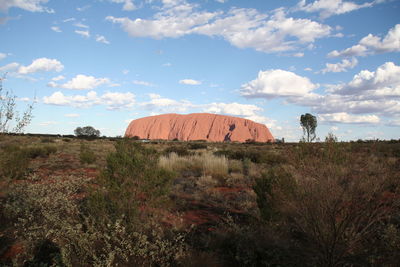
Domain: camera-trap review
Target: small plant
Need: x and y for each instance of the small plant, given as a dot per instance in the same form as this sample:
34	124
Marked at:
86	155
14	162
180	150
195	146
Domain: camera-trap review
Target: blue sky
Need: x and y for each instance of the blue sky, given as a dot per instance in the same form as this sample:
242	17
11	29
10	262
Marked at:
105	62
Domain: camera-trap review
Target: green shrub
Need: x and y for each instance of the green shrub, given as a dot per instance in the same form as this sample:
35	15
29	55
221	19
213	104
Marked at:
130	180
271	188
195	146
40	151
86	155
14	162
47	140
255	156
180	150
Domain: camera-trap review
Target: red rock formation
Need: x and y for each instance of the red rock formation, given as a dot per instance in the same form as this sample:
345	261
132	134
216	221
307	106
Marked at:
198	126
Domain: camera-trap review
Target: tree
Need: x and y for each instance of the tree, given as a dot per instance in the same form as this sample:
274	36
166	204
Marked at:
9	116
87	131
309	123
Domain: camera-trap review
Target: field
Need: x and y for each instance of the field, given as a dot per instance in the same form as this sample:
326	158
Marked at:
102	202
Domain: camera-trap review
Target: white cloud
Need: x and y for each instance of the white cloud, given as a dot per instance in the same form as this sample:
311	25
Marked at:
28	5
102	39
368	95
235	109
83	33
2	56
384	82
298	55
81	82
128	4
190	82
125	72
58	78
327	8
81	25
42	64
69	20
356	50
250	112
247	28
112	100
243	28
372	44
341	66
144	83
222	1
55	28
275	83
343	117
72	115
116	100
9	67
167	64
165	105
80	9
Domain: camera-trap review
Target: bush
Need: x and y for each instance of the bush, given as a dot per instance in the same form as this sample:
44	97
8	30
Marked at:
40	151
14	162
255	156
112	226
86	155
195	146
131	179
180	150
340	203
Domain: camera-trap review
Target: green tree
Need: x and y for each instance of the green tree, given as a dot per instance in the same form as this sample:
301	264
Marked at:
10	120
309	123
87	131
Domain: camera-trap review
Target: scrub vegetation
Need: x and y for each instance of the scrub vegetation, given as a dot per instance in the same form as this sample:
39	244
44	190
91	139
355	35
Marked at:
105	202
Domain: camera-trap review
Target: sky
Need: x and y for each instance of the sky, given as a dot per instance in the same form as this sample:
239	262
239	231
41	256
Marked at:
104	63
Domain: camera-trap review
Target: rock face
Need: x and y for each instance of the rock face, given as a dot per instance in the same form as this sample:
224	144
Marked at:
198	126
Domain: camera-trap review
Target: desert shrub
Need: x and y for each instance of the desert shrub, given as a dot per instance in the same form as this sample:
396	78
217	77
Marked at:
255	156
46	140
180	150
131	179
246	166
339	204
251	244
195	146
235	166
14	162
40	151
112	225
271	189
86	155
67	140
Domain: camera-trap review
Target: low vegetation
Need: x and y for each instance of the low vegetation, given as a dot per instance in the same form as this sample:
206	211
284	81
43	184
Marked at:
78	202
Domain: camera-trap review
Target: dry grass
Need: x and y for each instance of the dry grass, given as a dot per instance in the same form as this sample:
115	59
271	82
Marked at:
206	163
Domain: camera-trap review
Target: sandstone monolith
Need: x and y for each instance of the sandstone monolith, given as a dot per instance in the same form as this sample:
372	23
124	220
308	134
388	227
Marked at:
198	126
